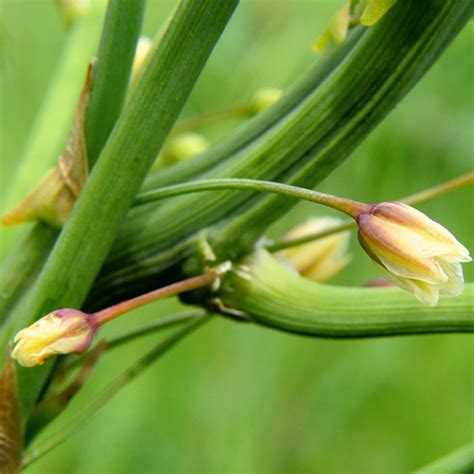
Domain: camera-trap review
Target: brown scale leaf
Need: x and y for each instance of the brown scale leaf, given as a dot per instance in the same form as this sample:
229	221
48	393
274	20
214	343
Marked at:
10	426
54	196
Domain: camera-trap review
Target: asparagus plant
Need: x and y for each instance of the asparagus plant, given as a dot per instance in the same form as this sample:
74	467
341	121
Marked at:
150	237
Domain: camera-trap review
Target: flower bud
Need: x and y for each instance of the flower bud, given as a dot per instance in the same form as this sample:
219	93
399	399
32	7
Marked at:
144	46
182	147
62	332
263	98
416	253
323	258
71	10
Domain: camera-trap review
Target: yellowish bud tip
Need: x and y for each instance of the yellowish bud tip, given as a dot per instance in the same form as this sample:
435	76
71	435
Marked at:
264	98
323	258
64	331
71	10
183	147
416	253
336	32
374	10
143	48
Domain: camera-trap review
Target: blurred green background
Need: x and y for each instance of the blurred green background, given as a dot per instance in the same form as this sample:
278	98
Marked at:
235	398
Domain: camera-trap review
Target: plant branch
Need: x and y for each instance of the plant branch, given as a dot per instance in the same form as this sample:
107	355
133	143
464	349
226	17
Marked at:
112	71
418	198
341	204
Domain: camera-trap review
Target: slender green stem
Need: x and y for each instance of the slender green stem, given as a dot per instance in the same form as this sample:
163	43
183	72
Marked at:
112	71
273	295
102	317
352	208
460	461
111	390
209	118
152	327
436	191
418	198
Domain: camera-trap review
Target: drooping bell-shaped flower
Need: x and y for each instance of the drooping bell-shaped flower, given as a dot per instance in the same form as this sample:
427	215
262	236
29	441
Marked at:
64	331
416	253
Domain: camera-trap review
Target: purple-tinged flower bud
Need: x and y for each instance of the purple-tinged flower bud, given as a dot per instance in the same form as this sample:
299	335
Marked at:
61	332
417	254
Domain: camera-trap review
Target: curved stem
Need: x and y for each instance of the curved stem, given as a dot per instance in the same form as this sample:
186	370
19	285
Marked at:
209	118
348	206
426	195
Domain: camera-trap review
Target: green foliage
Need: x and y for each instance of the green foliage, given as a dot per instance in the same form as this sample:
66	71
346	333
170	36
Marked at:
263	401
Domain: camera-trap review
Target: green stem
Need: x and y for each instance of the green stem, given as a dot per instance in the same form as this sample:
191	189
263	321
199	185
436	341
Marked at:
212	117
352	208
273	295
426	195
111	73
133	145
460	461
102	317
111	390
436	191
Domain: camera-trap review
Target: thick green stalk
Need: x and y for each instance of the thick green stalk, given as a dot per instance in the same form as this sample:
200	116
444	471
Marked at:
112	71
317	133
273	295
133	145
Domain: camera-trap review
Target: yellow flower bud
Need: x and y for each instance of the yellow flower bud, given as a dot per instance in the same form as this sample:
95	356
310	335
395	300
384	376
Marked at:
323	258
71	10
62	332
183	147
144	46
416	253
263	98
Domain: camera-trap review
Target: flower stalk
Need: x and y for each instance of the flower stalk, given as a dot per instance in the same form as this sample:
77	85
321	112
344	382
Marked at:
67	331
